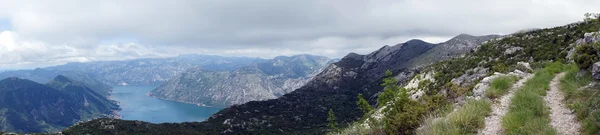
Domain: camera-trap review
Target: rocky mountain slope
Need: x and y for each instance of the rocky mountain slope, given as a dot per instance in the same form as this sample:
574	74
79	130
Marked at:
27	106
151	71
305	109
44	75
96	105
258	81
455	83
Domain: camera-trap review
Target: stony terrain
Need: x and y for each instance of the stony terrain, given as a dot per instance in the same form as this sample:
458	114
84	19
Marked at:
562	118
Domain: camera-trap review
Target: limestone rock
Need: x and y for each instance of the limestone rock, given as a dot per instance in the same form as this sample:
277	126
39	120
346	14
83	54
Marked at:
524	66
596	70
512	50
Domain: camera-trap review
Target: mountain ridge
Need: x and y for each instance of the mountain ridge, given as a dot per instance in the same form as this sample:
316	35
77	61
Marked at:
257	81
146	71
27	106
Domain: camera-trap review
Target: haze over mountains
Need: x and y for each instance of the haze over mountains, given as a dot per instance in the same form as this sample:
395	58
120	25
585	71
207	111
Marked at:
151	71
257	81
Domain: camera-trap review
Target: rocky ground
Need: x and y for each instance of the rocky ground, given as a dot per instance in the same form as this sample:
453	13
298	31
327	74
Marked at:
562	118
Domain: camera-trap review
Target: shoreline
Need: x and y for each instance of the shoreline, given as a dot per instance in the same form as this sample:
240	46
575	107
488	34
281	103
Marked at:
115	113
200	105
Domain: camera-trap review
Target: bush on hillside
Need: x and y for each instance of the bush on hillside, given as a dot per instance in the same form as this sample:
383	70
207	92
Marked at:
404	114
586	55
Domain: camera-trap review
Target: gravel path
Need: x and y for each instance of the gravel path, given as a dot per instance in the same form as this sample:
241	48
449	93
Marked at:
493	123
562	118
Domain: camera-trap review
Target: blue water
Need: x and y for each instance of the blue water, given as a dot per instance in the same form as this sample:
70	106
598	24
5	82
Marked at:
137	106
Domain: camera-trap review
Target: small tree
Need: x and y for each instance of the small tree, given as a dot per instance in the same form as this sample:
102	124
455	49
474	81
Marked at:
404	115
363	105
390	89
333	125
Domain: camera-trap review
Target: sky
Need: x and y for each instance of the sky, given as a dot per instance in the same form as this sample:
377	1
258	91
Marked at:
39	33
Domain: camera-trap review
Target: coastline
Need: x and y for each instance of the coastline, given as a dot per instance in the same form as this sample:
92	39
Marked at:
200	105
115	113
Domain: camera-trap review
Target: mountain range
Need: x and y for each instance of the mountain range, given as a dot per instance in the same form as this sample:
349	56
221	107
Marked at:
30	107
258	81
149	71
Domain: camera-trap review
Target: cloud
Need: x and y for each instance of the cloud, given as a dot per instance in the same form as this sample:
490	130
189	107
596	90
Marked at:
262	28
16	53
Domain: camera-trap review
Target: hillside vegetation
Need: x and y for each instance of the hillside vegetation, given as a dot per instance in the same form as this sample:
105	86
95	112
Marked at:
538	47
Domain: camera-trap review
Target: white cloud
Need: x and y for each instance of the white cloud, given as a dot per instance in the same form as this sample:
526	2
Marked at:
58	31
16	53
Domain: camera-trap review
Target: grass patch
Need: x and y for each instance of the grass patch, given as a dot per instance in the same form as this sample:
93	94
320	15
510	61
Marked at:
585	102
527	113
466	120
500	86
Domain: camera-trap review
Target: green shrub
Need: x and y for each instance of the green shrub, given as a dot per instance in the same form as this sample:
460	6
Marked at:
555	67
404	115
437	104
586	55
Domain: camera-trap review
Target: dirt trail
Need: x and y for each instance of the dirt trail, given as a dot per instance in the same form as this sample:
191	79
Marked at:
493	123
562	118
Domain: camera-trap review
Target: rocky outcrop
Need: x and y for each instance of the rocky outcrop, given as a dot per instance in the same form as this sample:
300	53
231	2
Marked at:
470	76
587	39
596	70
512	50
524	66
259	81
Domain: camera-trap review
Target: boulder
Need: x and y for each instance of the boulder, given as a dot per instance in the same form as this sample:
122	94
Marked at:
470	76
512	50
524	66
596	70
